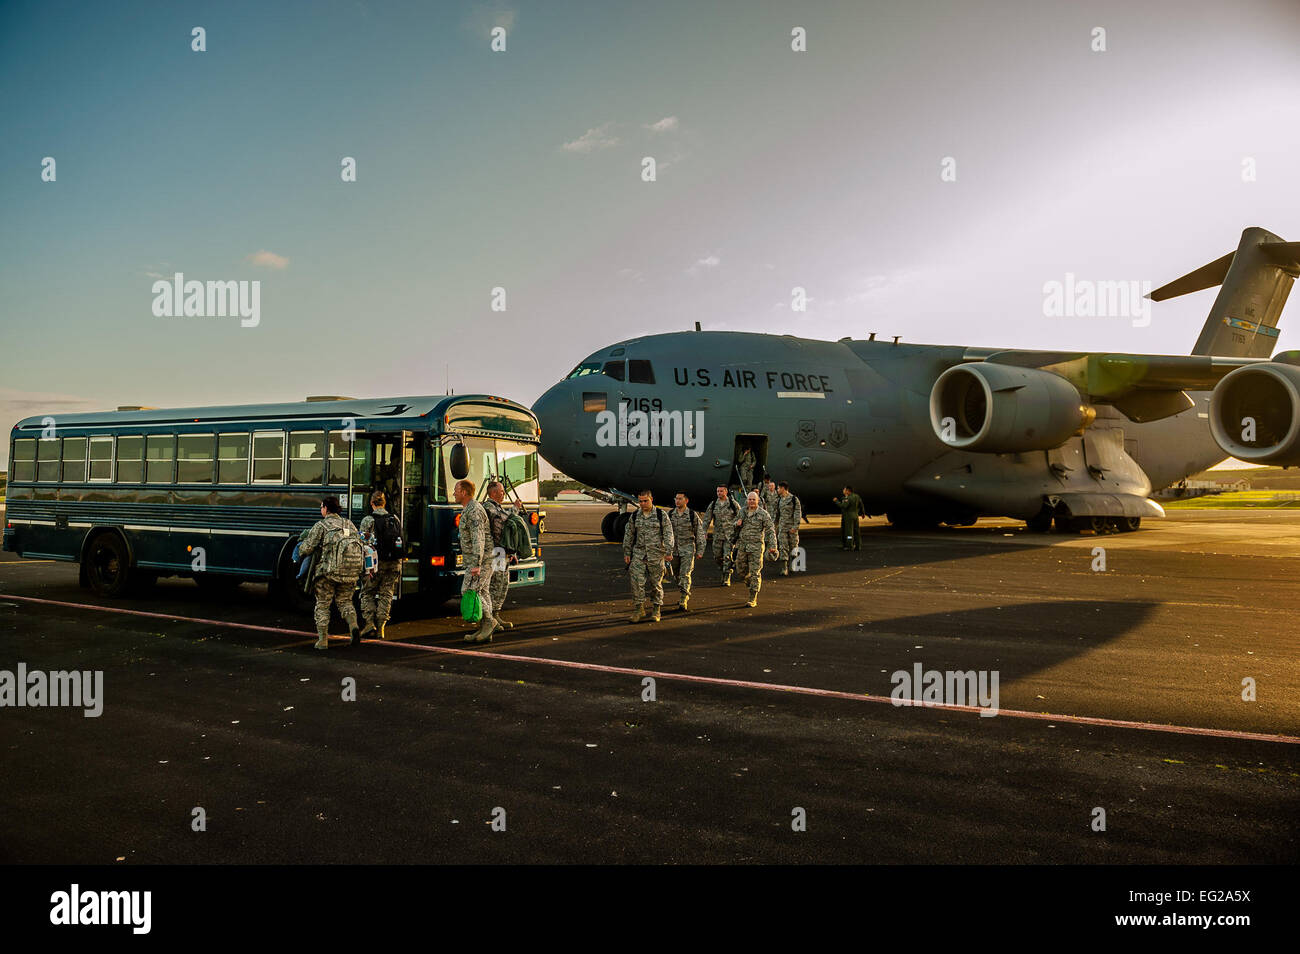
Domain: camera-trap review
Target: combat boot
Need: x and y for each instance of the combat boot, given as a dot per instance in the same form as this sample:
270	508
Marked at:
356	637
369	627
685	604
753	598
654	616
381	629
638	614
785	568
726	578
484	635
505	623
323	642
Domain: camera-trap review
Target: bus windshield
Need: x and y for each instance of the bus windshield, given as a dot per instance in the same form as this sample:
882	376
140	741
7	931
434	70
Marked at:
497	458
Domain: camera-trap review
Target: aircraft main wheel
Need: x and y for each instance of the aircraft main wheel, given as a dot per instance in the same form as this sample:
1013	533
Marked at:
1129	524
607	525
620	525
911	520
1040	522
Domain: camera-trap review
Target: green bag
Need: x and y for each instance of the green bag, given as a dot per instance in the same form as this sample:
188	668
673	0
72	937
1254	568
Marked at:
471	607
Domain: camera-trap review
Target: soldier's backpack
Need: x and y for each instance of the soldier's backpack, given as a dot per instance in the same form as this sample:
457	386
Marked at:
662	535
515	538
388	537
343	546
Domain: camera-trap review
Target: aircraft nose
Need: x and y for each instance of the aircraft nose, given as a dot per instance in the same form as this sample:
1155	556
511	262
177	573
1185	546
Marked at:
556	411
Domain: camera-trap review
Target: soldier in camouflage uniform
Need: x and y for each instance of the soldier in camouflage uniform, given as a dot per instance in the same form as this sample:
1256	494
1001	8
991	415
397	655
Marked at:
745	464
377	591
756	534
688	532
723	514
476	556
647	546
499	512
767	497
330	582
788	513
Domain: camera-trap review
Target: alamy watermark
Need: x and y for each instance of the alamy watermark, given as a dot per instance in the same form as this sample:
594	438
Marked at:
1084	298
930	687
82	689
651	428
194	299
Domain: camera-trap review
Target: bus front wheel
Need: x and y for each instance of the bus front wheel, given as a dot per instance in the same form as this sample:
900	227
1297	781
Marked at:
108	566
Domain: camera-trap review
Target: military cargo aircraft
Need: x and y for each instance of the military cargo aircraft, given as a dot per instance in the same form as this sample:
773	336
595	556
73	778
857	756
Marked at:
930	434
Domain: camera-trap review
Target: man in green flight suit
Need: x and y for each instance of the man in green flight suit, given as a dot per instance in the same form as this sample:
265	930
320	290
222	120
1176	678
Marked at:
850	507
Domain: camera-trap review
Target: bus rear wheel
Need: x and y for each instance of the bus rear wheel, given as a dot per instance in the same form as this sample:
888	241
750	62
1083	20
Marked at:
108	566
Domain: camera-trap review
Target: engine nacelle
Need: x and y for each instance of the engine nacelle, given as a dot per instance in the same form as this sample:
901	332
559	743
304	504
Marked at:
1003	409
1255	414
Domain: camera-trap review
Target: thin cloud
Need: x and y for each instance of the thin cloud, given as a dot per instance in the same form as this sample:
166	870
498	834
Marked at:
703	264
667	124
265	259
593	139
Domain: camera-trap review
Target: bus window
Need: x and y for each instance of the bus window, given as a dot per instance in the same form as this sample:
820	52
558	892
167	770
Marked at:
47	459
232	458
160	449
640	372
194	458
307	457
268	457
74	459
24	459
130	460
340	451
518	465
438	482
101	458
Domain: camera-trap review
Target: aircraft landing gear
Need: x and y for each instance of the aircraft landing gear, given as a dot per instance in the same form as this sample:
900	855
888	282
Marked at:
613	524
1040	522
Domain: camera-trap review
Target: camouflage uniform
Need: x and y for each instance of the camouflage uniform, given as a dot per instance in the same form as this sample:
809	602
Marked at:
767	500
329	582
377	591
688	532
476	551
497	517
850	507
745	468
787	515
723	514
757	537
654	541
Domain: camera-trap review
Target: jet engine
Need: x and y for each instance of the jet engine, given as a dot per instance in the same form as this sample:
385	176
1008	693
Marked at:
1004	409
1255	414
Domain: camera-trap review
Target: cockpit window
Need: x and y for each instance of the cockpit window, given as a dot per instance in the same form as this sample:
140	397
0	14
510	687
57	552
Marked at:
587	367
640	372
614	369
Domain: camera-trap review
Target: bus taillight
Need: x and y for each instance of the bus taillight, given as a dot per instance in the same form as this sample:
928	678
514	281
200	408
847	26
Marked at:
437	561
532	518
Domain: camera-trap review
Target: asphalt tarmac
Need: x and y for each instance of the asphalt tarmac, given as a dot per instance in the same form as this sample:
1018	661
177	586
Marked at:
1120	690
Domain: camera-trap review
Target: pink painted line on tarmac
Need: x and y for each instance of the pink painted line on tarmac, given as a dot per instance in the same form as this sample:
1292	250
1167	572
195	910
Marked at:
702	680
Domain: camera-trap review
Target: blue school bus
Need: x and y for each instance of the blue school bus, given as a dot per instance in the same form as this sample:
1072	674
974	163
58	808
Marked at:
221	494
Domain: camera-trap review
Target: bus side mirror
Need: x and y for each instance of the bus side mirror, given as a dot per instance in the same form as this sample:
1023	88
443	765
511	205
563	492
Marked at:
459	461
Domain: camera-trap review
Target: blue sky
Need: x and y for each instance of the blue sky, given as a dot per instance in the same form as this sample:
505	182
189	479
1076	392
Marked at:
521	169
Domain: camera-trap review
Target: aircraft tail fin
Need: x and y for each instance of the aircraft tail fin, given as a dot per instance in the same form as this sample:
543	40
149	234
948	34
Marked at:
1255	281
